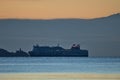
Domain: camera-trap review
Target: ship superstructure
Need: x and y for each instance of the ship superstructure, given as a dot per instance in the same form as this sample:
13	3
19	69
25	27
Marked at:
57	51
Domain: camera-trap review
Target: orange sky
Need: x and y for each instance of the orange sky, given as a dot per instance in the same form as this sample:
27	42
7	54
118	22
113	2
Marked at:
49	9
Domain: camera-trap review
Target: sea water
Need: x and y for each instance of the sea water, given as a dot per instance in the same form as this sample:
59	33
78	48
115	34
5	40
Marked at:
59	65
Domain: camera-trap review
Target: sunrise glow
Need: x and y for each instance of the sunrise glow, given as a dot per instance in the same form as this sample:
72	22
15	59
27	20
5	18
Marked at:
49	9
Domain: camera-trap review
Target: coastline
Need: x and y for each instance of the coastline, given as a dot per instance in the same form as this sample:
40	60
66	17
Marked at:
58	76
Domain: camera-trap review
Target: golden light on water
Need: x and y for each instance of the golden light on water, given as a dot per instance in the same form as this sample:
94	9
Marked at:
58	76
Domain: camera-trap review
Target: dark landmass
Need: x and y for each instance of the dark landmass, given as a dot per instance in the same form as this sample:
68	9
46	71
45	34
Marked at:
19	53
46	51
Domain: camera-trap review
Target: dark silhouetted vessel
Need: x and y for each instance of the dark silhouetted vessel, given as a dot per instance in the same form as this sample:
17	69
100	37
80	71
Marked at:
57	51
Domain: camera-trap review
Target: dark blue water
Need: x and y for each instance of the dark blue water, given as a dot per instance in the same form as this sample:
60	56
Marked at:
59	64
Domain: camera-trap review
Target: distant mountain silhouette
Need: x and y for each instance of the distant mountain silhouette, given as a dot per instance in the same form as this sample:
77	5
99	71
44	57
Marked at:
115	16
19	53
4	53
100	35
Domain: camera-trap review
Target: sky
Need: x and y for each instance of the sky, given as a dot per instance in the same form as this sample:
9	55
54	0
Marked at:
100	38
49	9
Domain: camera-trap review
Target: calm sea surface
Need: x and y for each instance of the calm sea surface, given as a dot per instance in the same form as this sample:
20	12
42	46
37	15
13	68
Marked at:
59	64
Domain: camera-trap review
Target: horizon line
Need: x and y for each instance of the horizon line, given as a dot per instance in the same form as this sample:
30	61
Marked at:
59	18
